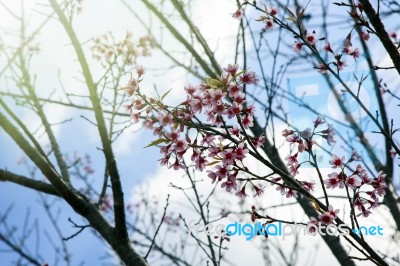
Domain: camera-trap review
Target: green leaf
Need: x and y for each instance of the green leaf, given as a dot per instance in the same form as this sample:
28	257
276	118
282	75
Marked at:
165	94
213	83
212	163
156	142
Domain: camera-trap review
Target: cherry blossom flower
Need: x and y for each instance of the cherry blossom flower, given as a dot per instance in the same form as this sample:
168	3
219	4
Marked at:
294	138
365	36
230	183
269	24
287	132
341	64
311	38
355	156
312	226
258	141
274	11
293	169
247	121
333	212
165	119
180	145
176	165
234	90
259	191
241	151
281	189
291	159
297	46
291	193
242	192
234	131
135	117
318	121
353	181
333	181
327	47
306	134
232	69
228	156
355	53
212	175
322	68
140	71
200	163
326	218
249	78
309	186
238	14
337	162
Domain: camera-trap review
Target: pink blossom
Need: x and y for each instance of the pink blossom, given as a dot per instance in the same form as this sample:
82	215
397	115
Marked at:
190	89
318	121
230	183
297	46
259	191
341	64
312	226
241	151
327	47
326	218
164	118
135	117
291	159
353	181
228	156
274	11
140	71
287	132
238	14
249	78
232	69
269	24
258	141
311	38
322	68
355	53
180	145
291	193
242	192
355	156
293	169
306	134
333	212
309	186
173	135
247	121
234	130
234	90
200	163
176	165
333	181
365	36
337	162
292	138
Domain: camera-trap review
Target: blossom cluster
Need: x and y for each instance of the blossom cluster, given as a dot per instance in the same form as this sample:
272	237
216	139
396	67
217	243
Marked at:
367	191
304	142
222	143
325	218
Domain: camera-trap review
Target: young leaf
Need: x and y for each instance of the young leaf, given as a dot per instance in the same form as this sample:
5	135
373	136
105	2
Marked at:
156	142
